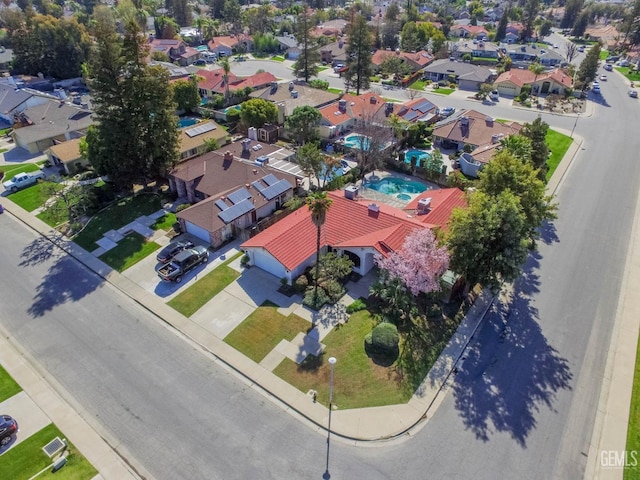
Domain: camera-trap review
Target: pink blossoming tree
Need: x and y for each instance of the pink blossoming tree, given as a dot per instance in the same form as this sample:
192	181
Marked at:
419	264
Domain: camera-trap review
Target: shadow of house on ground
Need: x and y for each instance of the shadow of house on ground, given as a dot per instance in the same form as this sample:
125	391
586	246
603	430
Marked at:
66	281
511	371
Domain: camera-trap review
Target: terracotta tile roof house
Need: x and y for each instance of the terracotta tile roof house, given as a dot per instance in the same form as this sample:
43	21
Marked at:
358	229
51	122
193	139
347	112
68	155
605	33
226	45
289	95
415	61
510	83
434	207
236	194
176	50
469	31
473	128
331	28
212	81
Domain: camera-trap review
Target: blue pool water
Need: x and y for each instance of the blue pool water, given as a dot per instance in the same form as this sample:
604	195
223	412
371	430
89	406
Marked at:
202	48
355	140
403	196
396	185
186	122
421	154
235	107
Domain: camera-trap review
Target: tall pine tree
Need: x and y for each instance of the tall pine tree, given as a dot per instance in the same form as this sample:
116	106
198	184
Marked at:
135	138
306	66
359	67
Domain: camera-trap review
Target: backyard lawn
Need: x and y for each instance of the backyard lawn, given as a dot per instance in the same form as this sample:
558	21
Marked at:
26	459
8	386
261	331
194	297
116	216
558	144
130	250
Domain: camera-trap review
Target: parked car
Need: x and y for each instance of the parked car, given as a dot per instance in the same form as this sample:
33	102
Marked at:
633	93
200	62
603	78
494	95
182	263
596	89
608	67
338	67
8	427
171	250
447	111
623	63
23	180
581	48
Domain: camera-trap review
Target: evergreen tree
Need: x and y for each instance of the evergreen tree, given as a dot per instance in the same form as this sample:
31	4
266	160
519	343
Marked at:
359	67
571	11
232	13
581	24
135	137
537	133
501	31
589	66
306	65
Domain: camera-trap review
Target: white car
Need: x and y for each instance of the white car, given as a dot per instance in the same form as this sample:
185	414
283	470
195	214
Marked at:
603	78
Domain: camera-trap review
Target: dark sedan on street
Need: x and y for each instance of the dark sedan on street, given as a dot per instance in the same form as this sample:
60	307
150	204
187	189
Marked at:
171	250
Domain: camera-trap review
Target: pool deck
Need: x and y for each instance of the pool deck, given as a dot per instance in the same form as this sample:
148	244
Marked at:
391	200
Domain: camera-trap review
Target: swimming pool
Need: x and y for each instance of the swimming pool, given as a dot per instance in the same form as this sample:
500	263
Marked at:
186	122
421	155
396	185
355	140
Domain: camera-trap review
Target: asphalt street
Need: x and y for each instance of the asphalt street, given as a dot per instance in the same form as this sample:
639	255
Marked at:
522	405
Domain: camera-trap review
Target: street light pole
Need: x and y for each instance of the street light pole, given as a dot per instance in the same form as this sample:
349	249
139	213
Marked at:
332	362
574	125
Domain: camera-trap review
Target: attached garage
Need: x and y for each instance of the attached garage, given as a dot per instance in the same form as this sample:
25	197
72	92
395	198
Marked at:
197	231
507	89
264	260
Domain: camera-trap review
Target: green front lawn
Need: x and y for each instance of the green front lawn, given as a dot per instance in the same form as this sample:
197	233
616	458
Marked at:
32	197
278	58
130	250
444	91
165	222
633	432
194	297
558	144
633	77
604	54
27	458
116	216
261	331
322	69
8	386
419	85
11	171
337	91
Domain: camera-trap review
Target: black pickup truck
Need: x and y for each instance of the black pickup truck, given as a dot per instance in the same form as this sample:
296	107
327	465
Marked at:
182	263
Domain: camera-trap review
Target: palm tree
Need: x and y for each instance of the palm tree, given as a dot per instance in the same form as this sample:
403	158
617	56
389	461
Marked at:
318	204
224	62
537	69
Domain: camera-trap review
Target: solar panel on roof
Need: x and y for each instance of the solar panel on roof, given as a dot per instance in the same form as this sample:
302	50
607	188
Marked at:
221	205
425	105
410	116
258	185
270	179
200	129
239	195
236	211
276	189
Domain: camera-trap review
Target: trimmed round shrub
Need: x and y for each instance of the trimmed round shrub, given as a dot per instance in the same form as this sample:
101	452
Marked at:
383	340
182	206
301	283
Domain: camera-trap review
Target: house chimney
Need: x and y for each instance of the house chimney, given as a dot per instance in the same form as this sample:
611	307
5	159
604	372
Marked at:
373	100
373	207
340	43
228	156
246	145
342	106
424	205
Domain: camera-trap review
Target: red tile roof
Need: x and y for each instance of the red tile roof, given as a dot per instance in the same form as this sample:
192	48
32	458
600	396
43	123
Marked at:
349	223
258	80
442	204
523	77
213	79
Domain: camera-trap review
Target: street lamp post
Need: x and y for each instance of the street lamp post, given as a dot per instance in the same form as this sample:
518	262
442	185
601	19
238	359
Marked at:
332	362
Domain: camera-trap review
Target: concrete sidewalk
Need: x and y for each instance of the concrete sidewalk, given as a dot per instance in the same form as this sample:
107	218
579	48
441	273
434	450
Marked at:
40	398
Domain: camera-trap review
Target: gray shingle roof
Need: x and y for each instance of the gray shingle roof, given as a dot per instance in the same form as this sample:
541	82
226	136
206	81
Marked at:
53	118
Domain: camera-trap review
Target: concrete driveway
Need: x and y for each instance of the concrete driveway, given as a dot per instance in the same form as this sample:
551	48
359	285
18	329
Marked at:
28	415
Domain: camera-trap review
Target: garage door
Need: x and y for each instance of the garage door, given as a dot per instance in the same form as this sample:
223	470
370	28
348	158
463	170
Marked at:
507	90
197	231
266	262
